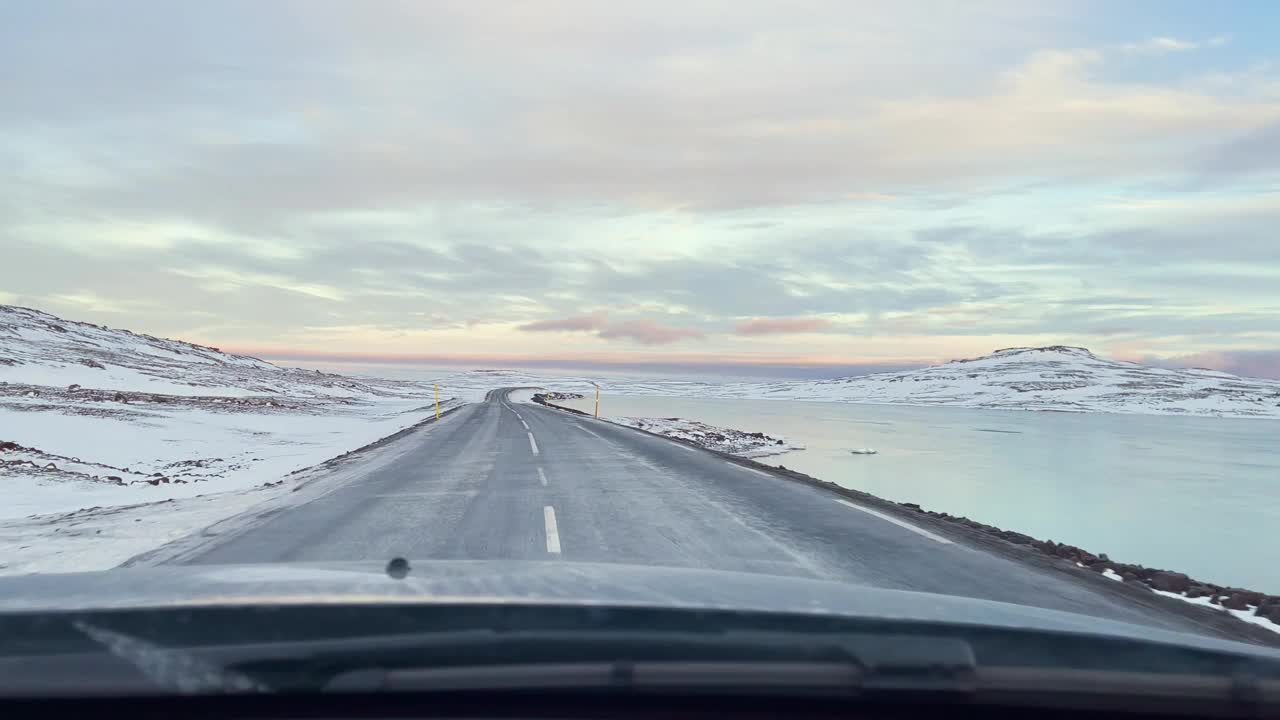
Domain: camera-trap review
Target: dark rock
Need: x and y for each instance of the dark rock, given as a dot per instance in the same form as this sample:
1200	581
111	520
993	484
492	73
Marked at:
120	397
72	387
1251	597
913	506
1236	601
50	466
1100	566
1170	581
1196	591
115	479
1128	576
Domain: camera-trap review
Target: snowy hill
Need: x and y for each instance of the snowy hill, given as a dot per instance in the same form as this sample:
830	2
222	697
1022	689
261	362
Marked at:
37	348
1057	378
92	416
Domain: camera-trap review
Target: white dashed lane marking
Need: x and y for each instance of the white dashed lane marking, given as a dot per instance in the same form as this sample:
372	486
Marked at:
553	532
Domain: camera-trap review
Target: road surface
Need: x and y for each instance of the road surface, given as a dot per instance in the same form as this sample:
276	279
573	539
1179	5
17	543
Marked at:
507	480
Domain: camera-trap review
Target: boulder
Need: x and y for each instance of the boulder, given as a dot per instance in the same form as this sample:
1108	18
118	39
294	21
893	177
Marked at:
1128	576
72	387
1236	601
1251	597
1170	581
1196	591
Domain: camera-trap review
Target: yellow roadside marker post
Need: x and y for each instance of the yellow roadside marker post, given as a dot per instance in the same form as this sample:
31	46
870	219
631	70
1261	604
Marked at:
437	387
597	400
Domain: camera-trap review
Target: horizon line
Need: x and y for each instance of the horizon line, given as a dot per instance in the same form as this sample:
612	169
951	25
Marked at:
684	361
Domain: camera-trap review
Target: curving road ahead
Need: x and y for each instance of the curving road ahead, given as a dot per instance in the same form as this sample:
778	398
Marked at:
507	480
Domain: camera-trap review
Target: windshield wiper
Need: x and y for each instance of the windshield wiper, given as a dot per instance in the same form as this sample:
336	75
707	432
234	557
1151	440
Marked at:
856	665
614	658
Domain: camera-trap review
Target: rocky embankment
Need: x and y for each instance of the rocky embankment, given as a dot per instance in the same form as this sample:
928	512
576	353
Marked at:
1257	603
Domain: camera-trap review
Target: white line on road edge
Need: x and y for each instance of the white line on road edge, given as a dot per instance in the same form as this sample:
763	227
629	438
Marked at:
758	472
525	424
533	445
543	477
899	523
589	432
553	532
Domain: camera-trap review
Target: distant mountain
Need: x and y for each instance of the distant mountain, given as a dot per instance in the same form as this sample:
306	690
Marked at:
37	348
1051	378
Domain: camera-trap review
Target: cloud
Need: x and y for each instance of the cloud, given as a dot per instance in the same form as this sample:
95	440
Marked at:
1165	45
643	331
781	326
649	332
1246	363
666	104
1255	151
653	160
594	321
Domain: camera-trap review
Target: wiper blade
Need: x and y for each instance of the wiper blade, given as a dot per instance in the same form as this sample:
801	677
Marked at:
870	661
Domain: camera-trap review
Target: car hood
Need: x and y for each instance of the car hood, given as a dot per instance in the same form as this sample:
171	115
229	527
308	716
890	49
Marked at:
538	582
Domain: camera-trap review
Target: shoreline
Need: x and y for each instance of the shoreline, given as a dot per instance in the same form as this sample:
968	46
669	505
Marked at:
1257	608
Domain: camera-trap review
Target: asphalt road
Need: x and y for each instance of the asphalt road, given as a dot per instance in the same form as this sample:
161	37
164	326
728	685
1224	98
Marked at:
507	480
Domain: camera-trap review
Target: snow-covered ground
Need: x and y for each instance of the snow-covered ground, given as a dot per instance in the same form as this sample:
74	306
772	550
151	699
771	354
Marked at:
1057	378
722	439
96	417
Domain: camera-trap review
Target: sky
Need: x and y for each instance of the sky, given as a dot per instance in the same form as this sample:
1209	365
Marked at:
679	184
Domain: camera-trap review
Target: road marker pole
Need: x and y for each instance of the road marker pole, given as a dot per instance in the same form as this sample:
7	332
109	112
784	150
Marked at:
597	401
437	387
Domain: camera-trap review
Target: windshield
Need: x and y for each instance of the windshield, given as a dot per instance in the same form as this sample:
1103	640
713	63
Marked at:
910	312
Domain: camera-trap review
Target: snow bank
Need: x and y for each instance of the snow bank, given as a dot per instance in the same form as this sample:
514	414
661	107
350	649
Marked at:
712	437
